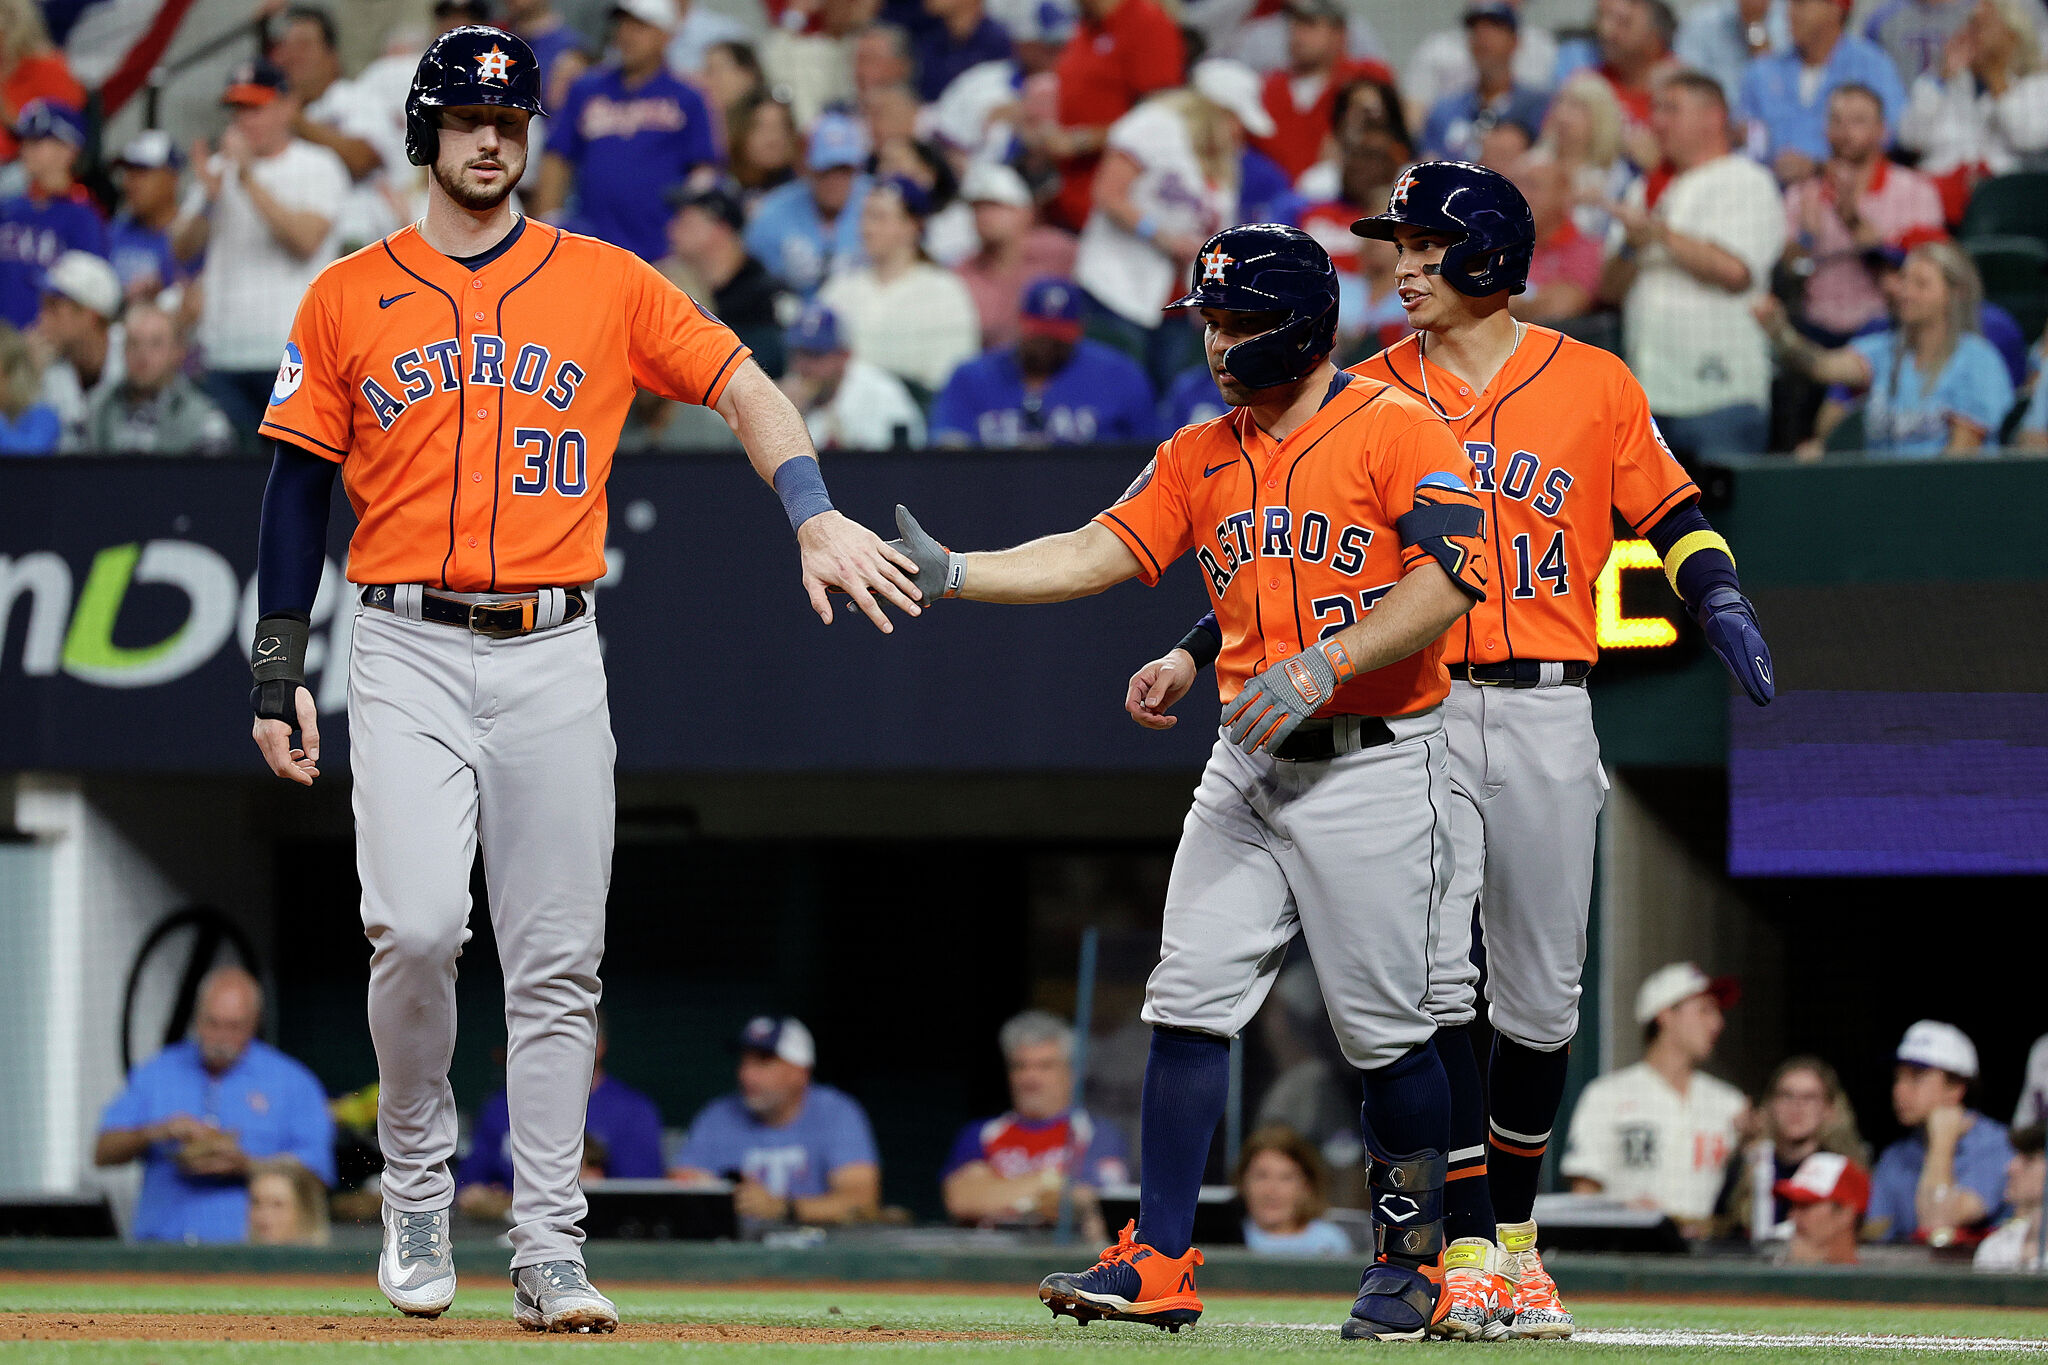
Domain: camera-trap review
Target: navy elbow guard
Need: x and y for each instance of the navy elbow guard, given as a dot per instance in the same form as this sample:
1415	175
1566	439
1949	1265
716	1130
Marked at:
277	661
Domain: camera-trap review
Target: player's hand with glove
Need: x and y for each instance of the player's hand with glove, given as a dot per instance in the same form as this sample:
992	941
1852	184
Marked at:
1730	625
280	699
1281	696
937	567
1157	686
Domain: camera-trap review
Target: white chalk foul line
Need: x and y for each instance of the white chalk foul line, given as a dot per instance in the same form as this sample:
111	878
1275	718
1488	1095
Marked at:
1678	1337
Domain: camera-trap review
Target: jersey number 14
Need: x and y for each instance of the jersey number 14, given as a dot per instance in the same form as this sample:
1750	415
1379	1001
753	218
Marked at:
1550	567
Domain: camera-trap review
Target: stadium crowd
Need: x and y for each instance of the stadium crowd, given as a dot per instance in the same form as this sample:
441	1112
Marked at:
1809	225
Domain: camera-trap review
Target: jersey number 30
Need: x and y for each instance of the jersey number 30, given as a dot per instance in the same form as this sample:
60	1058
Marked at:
559	460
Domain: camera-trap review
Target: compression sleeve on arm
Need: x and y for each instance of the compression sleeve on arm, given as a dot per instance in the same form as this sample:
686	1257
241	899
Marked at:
1696	558
291	545
1204	642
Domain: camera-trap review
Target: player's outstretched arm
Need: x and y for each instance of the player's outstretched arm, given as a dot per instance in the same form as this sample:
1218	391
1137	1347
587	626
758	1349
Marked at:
291	550
837	552
1057	568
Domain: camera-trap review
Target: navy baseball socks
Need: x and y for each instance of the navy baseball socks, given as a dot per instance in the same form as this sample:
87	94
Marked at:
1407	1110
1525	1088
1479	1299
1149	1275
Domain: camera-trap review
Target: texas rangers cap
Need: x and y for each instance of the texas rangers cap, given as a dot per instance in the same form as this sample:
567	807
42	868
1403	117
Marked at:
253	84
86	280
784	1038
991	182
1493	11
660	13
1827	1176
1668	985
1941	1046
1052	308
815	331
48	118
837	140
153	150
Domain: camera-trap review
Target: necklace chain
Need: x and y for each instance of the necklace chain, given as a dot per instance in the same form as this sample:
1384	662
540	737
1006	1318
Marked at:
1422	355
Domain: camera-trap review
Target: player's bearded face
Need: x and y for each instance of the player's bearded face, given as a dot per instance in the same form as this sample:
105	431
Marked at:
483	154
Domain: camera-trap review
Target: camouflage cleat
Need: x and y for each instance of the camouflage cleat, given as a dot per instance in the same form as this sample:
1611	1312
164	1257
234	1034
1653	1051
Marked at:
1480	1299
1538	1312
1131	1283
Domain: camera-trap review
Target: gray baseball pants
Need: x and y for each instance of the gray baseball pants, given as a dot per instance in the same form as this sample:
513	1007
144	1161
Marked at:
1526	792
1353	853
455	739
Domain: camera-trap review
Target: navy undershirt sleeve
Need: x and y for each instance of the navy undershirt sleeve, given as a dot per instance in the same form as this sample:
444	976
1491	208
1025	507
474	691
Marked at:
291	545
1703	570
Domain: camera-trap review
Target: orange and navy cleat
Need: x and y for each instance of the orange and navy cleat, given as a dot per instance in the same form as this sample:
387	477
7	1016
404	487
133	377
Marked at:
1396	1303
1131	1283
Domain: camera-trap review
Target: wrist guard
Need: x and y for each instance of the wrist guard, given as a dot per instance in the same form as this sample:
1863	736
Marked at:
277	660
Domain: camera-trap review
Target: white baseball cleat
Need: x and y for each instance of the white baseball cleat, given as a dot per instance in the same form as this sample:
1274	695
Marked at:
555	1296
417	1268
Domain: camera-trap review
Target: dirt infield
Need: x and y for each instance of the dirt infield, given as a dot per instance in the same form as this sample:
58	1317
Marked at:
316	1327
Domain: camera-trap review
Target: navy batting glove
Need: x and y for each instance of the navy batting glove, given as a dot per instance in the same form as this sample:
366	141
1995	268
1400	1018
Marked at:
1730	623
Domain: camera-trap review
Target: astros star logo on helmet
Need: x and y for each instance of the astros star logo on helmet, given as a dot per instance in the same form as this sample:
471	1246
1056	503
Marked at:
1212	265
1399	198
495	65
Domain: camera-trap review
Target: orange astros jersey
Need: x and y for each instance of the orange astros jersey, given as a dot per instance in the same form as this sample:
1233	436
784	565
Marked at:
1296	538
1560	441
474	413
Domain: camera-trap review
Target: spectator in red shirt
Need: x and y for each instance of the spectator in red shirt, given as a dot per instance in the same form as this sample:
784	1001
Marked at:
1302	98
30	69
1014	250
1564	275
1122	51
1634	41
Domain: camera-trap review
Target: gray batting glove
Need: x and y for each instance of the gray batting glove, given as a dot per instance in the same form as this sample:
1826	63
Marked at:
935	563
1280	697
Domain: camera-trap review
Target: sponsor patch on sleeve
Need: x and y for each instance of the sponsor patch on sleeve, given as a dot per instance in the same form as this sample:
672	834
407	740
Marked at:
290	374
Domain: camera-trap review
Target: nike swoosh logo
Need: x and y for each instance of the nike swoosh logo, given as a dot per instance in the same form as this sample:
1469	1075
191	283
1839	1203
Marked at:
1219	468
383	302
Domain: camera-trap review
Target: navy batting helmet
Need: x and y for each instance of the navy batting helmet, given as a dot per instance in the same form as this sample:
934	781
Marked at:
467	65
1496	233
1269	268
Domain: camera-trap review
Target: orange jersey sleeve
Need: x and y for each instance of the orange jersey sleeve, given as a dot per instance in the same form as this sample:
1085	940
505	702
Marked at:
1559	442
475	412
1151	518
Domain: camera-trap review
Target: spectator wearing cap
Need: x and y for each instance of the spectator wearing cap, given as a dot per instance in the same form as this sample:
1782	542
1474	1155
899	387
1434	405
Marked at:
139	238
1784	95
31	68
801	230
1301	97
1121	52
1441	65
1168	182
1835	221
2032	1108
557	47
1828	1195
263	210
1014	250
347	119
1457	124
983	114
705	242
899	311
800	1151
53	217
1052	388
1984	109
28	426
963	37
847	403
155	409
1657	1134
1010	1170
1564	271
2015	1244
81	302
626	133
1721	37
1947	1174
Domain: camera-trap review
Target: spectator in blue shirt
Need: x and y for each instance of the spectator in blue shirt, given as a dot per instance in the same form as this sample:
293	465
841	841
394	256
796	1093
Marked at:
1192	397
1720	36
1053	387
1284	1184
963	36
626	133
1458	122
800	230
1784	96
1948	1173
1932	384
199	1112
139	238
28	426
801	1152
53	217
625	1123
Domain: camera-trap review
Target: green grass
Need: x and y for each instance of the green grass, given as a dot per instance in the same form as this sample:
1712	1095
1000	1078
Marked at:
1234	1331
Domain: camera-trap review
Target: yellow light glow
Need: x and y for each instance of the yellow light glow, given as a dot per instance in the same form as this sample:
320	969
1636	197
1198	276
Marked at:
1613	630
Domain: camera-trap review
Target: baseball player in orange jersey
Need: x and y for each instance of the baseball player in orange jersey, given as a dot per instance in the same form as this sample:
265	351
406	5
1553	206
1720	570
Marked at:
1561	438
1334	523
469	375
